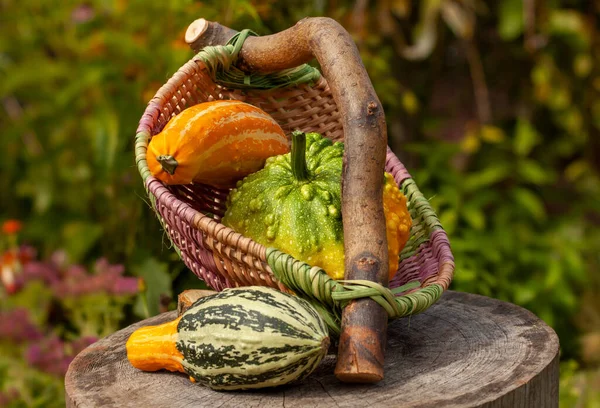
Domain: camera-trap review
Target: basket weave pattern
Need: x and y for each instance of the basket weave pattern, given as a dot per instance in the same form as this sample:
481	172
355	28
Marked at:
190	214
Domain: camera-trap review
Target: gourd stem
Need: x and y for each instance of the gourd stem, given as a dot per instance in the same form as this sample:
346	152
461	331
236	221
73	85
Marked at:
298	156
168	163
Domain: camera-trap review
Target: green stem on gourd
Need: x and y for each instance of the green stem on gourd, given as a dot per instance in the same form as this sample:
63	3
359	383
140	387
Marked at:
168	163
298	156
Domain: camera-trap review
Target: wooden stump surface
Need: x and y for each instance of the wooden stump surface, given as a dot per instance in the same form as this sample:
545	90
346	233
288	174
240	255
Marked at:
464	351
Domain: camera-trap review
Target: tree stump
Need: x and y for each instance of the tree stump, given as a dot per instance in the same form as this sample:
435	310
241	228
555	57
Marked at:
464	351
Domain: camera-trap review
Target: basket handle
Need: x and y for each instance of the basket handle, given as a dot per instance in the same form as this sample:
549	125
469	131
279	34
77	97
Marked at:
364	322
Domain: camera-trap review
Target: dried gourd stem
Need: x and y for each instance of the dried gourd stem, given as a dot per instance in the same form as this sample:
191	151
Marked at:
364	323
298	156
187	298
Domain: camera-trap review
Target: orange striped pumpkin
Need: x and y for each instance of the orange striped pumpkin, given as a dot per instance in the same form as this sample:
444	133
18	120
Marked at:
215	143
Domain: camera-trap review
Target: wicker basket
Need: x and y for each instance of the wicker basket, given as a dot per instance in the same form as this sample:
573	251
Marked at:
223	258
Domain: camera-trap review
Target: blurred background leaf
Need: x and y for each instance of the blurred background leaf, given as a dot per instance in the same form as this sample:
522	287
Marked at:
158	283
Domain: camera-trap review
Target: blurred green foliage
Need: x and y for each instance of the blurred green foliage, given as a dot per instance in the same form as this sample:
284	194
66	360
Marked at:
493	106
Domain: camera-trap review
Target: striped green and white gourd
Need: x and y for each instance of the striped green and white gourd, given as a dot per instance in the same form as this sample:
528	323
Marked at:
240	338
251	338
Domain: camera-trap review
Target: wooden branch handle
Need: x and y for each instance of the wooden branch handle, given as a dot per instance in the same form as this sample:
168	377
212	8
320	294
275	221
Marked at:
364	322
202	33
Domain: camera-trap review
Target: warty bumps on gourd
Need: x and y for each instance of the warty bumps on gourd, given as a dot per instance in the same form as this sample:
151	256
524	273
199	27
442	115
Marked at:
294	204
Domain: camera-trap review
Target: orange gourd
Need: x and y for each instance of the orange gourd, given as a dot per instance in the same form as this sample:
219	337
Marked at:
397	220
215	143
153	348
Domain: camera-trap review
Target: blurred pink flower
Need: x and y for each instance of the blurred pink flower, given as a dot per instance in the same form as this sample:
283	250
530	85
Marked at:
8	396
72	282
27	254
59	259
49	355
40	271
16	326
53	355
103	267
125	286
107	278
82	14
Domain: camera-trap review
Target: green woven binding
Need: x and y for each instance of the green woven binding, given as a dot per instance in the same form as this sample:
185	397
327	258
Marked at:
141	146
330	296
425	220
220	63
